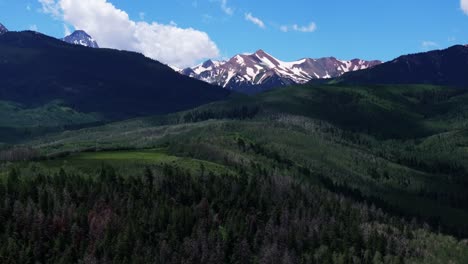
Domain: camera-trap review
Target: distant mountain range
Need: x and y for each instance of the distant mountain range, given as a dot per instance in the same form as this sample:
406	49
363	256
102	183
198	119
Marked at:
438	67
120	83
80	37
259	71
36	69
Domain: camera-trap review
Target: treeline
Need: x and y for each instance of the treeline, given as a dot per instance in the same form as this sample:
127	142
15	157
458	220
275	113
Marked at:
169	215
241	113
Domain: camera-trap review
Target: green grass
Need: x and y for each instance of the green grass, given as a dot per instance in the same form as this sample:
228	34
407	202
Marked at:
134	159
150	155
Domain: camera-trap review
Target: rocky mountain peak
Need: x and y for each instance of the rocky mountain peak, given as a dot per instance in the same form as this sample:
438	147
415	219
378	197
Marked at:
80	37
3	29
259	71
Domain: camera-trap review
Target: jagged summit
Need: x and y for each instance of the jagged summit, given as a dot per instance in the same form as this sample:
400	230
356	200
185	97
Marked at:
3	29
80	37
208	63
258	71
260	52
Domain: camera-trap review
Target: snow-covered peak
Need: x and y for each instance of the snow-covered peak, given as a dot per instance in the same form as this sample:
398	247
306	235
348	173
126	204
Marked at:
205	66
80	37
261	68
261	53
239	59
3	29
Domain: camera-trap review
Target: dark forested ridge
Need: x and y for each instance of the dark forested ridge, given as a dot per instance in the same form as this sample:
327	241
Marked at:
438	67
36	70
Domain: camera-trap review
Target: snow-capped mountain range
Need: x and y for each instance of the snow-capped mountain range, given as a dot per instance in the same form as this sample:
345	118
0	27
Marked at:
3	29
252	73
260	71
79	37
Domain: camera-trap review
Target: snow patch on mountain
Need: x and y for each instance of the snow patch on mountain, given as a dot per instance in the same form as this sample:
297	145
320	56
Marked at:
262	69
79	37
3	29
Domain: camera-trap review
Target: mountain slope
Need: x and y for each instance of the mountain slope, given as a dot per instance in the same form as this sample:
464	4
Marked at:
36	69
80	37
3	29
402	147
259	71
438	67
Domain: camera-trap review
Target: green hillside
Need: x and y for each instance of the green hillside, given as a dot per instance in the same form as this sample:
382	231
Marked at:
376	174
47	83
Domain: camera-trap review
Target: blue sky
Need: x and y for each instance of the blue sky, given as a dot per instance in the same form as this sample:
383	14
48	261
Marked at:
367	29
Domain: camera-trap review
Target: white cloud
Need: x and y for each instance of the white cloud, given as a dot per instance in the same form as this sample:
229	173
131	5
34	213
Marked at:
66	30
176	46
257	21
112	28
28	7
428	45
226	9
50	7
464	6
310	28
142	15
306	29
33	27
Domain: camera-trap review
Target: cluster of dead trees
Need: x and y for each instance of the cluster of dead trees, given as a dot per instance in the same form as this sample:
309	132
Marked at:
19	154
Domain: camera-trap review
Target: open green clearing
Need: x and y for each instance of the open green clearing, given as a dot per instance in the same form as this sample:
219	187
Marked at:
402	149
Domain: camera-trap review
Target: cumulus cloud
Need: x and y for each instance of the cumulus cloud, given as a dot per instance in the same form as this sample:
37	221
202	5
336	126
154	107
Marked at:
174	45
257	21
112	28
306	29
66	30
464	6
